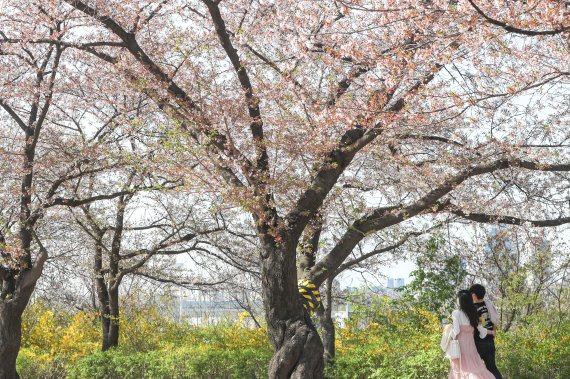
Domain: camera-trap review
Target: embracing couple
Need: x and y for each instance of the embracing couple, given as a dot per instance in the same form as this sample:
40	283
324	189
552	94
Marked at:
474	327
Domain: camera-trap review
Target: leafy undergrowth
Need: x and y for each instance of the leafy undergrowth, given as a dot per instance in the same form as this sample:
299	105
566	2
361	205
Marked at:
387	341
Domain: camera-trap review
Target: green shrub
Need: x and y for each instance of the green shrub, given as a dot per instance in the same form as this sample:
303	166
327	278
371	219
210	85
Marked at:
33	366
394	357
383	340
536	351
181	363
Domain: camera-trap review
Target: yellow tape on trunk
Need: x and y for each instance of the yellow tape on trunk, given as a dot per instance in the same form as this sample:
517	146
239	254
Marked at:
310	296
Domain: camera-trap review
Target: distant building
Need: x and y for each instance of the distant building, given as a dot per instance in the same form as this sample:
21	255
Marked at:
208	307
361	296
211	307
340	313
394	283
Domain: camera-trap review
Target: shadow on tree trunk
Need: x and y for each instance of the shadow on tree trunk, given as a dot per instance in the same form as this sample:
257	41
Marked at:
300	353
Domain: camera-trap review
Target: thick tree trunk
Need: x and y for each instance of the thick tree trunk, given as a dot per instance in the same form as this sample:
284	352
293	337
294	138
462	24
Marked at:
11	309
105	314
17	292
298	347
299	353
10	339
109	313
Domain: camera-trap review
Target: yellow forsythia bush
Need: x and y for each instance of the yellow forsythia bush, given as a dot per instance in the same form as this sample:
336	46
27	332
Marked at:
51	334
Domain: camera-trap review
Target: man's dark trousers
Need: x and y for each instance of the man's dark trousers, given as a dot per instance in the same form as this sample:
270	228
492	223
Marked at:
486	350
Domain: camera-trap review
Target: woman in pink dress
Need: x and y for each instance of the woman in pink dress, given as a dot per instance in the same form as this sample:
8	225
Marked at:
465	324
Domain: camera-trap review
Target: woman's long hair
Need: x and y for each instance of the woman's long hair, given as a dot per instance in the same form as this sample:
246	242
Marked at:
467	306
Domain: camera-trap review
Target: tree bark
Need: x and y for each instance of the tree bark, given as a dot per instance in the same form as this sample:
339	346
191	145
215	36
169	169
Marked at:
18	286
10	339
109	313
17	291
108	299
113	336
298	347
111	318
11	310
329	335
327	324
104	312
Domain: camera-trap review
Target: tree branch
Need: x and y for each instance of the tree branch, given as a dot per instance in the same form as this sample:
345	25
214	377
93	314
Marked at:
14	115
374	252
501	219
193	113
260	174
382	218
252	101
70	202
30	277
179	282
338	159
513	29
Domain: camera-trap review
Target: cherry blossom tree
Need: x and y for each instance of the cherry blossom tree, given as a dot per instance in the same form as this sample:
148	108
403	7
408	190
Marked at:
124	245
41	163
49	145
432	106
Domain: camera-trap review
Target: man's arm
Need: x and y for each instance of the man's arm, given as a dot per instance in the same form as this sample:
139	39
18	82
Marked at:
493	314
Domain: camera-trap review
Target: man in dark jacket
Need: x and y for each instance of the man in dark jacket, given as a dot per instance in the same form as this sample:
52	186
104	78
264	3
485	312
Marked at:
489	319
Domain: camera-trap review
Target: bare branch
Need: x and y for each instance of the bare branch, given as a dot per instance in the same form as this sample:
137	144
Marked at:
31	276
254	111
14	115
501	219
180	282
513	29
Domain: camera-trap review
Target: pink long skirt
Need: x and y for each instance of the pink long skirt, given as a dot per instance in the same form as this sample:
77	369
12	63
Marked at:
470	365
